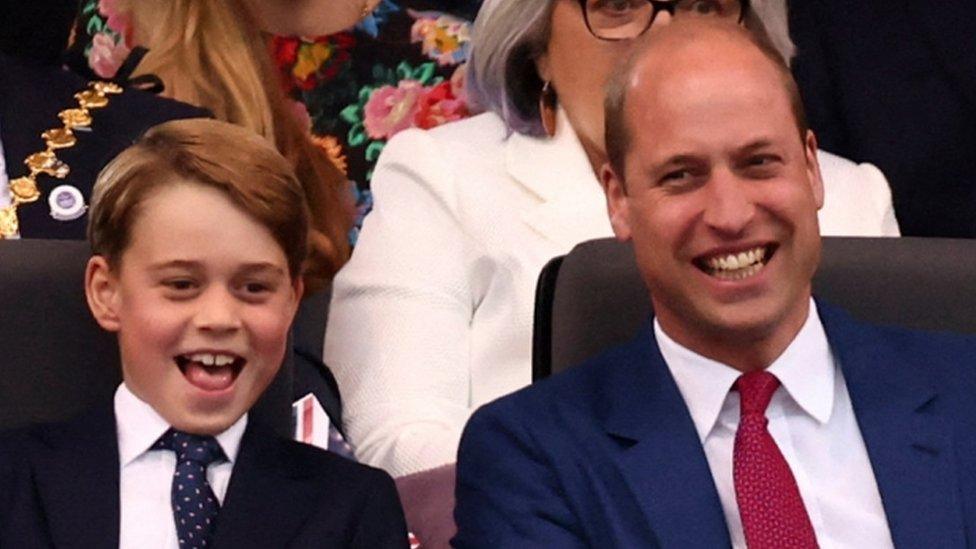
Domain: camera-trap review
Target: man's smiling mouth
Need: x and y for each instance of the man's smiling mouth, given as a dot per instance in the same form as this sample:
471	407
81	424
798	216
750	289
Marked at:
736	265
210	371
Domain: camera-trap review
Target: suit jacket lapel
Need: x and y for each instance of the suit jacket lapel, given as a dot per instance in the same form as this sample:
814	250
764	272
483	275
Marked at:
662	458
78	481
948	25
557	172
909	445
268	499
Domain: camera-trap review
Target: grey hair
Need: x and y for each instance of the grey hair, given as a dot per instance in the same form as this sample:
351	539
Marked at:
508	36
775	18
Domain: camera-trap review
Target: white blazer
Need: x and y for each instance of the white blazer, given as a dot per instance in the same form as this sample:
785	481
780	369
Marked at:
432	316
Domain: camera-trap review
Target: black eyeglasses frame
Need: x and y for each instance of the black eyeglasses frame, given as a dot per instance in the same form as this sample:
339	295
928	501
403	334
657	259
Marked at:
657	6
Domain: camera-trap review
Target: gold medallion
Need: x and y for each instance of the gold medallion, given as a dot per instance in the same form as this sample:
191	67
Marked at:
24	190
59	138
8	222
91	99
46	162
75	118
105	88
40	161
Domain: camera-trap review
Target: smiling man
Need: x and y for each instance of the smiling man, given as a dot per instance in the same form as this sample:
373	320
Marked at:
745	413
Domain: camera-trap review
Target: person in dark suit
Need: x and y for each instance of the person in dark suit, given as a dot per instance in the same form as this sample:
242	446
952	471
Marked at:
895	85
744	414
32	94
199	234
31	98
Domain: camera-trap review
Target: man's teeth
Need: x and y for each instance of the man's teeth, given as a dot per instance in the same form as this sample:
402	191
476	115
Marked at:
737	266
211	359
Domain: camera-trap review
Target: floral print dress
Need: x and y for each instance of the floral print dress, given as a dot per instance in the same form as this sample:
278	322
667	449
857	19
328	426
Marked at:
403	66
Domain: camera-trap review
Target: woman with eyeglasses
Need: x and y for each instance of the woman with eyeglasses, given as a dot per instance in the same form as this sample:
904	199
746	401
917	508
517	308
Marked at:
432	317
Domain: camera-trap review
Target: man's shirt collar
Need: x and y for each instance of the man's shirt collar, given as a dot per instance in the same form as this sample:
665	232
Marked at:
806	370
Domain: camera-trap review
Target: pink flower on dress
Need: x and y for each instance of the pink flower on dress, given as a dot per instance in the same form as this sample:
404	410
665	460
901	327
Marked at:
439	106
392	109
118	20
106	56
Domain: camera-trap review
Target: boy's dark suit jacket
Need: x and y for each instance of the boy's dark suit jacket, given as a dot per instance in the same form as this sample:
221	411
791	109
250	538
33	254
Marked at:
60	488
31	96
606	454
893	82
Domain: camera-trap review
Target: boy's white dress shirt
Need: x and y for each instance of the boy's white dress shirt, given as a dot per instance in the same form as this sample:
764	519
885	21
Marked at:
146	476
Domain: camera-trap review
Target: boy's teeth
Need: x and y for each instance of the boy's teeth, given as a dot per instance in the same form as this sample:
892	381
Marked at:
210	359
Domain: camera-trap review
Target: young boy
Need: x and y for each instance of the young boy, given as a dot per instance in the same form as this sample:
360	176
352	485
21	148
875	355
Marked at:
198	233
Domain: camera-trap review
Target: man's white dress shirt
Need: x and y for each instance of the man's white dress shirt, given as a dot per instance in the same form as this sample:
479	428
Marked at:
146	476
813	423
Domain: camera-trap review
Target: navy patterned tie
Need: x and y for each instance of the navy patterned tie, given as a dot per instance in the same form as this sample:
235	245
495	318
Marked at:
195	506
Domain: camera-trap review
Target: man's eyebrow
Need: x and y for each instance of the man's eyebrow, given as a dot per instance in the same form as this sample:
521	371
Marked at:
757	144
679	159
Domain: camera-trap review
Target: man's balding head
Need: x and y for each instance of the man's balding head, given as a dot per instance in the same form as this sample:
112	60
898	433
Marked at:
689	50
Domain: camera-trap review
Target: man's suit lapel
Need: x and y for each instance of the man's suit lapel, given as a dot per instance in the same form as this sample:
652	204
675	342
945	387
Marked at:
267	499
661	456
910	447
557	173
77	480
948	25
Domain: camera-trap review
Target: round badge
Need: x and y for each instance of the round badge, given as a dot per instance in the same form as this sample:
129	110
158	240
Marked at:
66	203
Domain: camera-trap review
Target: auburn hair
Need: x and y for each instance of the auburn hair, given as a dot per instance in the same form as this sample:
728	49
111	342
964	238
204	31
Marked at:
213	54
234	160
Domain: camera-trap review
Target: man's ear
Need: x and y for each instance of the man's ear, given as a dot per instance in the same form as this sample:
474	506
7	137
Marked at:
813	168
102	292
616	195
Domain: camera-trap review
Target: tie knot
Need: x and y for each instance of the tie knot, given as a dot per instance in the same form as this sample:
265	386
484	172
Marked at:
188	447
755	391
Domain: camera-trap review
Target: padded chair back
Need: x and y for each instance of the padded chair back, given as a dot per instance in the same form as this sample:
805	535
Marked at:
55	361
594	298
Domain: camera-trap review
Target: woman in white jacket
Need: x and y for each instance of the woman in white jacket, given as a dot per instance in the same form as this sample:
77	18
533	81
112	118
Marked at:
432	317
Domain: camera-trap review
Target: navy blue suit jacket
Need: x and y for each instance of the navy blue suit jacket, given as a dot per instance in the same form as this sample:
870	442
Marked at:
606	454
893	82
31	97
60	488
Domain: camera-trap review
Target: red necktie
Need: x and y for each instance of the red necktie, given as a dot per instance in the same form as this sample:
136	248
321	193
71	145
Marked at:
773	515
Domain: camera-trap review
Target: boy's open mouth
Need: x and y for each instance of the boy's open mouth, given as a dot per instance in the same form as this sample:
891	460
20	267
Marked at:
736	265
210	371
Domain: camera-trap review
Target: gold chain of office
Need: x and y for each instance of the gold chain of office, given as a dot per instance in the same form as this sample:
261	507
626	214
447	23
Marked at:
24	190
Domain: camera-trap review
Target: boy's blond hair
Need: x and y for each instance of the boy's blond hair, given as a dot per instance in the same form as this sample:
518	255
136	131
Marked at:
234	160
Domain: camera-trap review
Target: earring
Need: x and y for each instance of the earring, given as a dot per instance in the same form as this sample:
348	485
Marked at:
547	108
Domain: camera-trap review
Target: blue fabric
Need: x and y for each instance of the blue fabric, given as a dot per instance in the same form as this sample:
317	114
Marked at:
606	454
195	506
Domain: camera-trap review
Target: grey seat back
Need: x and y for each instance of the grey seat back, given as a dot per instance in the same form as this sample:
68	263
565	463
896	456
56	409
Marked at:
55	361
594	298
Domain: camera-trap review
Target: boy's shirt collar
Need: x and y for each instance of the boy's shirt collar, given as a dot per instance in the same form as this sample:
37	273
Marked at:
139	426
